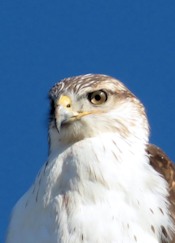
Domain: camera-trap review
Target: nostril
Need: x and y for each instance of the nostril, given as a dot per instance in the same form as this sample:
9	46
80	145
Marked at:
68	105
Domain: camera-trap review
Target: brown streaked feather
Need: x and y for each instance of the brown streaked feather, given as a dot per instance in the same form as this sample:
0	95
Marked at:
161	163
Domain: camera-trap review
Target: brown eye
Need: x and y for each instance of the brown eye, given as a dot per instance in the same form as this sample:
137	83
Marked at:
98	97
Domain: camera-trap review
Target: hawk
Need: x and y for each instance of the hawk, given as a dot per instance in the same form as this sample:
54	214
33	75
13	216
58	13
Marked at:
103	182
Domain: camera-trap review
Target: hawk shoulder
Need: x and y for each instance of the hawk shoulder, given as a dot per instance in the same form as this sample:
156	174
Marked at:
161	163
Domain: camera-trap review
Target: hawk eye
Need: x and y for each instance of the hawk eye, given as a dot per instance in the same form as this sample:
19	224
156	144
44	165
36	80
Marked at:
98	97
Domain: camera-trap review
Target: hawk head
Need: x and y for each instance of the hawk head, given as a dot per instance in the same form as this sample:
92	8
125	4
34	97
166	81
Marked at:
91	105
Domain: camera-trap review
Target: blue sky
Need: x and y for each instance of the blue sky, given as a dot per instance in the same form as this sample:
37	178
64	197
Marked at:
44	41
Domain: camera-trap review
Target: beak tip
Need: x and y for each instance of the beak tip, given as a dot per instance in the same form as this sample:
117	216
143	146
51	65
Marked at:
58	126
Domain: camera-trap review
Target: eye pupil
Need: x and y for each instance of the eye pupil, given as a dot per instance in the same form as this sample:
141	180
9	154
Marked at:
97	97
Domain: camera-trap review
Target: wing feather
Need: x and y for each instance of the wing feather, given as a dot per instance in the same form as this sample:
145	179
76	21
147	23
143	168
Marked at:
161	163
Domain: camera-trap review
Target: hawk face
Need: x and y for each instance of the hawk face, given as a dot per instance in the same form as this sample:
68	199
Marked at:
91	105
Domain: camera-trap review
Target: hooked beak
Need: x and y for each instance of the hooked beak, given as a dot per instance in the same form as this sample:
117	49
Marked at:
64	112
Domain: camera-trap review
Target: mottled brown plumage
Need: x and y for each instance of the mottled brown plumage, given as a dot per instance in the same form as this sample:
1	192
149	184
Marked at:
161	163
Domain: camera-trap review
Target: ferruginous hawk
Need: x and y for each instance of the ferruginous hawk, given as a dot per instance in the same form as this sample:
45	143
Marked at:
100	183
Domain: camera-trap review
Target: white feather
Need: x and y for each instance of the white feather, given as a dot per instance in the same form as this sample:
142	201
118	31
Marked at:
85	193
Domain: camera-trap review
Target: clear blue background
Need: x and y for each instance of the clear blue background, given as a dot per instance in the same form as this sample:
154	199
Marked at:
44	41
